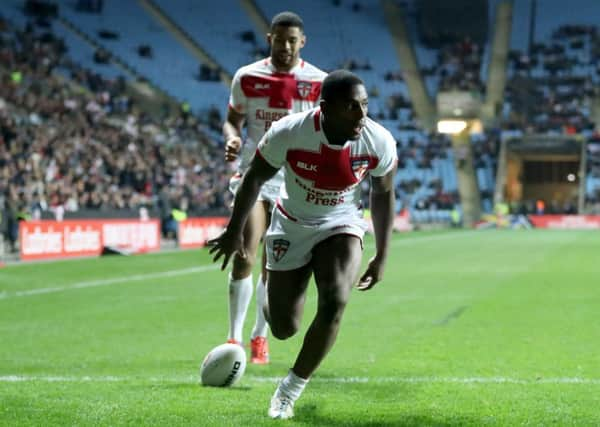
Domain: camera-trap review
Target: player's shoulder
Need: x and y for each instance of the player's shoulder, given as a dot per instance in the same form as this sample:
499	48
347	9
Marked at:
310	71
378	133
257	67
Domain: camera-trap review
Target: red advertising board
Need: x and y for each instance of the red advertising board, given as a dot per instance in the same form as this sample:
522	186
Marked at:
74	238
194	232
572	222
402	222
135	236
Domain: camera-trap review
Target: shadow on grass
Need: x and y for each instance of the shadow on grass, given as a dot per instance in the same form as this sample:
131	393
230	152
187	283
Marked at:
383	405
310	416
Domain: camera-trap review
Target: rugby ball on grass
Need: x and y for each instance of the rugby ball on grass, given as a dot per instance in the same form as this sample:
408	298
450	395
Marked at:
223	366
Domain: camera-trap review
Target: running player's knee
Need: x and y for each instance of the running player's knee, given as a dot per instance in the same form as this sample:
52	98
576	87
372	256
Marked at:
332	304
284	330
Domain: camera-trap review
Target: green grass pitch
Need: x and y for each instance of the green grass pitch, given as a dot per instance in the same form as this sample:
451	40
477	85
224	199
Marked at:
467	328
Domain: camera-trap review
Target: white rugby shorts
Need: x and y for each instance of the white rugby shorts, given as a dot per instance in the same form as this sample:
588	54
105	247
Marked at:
290	241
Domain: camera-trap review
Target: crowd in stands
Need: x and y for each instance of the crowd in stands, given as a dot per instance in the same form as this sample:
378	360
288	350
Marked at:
593	172
420	153
458	67
552	85
81	143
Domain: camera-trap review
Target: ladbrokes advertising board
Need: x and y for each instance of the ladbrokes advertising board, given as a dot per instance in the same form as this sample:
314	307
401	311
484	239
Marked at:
75	238
571	222
194	232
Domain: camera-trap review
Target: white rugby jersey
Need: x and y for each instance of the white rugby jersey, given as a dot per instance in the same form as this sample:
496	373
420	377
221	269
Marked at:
322	180
265	95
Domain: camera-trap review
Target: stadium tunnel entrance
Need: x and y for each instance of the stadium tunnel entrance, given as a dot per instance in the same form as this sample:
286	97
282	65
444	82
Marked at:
546	171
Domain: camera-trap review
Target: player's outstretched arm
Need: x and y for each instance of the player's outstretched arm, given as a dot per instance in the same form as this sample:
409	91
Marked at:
232	133
231	240
383	203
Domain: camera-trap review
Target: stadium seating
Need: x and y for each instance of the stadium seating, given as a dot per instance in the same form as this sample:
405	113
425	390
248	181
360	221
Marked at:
561	63
340	36
172	68
80	51
217	26
592	183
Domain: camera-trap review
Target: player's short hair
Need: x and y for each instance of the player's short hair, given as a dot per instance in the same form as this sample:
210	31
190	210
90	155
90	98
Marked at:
287	19
339	82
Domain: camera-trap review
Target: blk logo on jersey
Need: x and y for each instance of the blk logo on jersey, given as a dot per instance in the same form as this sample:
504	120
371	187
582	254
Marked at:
281	89
330	168
280	247
304	89
306	166
360	167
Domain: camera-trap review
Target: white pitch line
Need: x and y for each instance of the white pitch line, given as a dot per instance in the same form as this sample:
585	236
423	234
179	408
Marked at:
446	380
108	282
338	380
181	272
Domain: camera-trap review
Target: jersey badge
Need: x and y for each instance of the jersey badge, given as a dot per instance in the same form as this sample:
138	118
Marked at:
280	247
304	89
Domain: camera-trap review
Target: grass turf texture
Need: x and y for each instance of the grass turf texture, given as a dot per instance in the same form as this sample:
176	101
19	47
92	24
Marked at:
468	328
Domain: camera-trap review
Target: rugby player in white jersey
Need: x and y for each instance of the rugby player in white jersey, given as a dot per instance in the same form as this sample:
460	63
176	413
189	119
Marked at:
262	93
317	226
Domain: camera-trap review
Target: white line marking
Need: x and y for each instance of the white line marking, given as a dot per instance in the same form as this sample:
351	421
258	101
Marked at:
108	282
173	273
16	263
446	380
343	380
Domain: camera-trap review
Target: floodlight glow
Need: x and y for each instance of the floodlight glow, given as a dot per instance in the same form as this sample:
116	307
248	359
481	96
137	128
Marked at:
571	177
451	126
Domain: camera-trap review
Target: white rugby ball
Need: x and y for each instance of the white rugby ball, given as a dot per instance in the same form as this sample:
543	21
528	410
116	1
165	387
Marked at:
223	366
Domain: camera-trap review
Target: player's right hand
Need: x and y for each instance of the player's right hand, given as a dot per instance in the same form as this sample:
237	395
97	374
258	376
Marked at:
232	148
227	244
373	274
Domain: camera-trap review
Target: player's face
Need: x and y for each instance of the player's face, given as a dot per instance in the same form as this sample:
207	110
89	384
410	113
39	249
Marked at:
285	43
346	116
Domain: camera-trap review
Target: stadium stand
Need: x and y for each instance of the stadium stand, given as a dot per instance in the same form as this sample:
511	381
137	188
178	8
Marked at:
553	81
74	147
551	84
171	68
592	183
223	29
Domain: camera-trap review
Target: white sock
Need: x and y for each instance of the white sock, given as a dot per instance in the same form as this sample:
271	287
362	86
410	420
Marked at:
292	385
261	325
240	292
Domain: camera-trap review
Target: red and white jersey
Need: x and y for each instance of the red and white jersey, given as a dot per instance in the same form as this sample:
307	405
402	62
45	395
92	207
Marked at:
322	180
265	95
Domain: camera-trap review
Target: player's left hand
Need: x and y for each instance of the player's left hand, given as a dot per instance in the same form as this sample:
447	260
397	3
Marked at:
232	148
373	274
227	244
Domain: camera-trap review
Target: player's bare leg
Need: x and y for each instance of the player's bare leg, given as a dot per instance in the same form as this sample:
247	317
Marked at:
259	347
240	279
336	264
286	298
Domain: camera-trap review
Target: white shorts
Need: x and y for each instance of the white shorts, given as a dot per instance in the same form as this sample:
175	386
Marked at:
268	192
290	242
